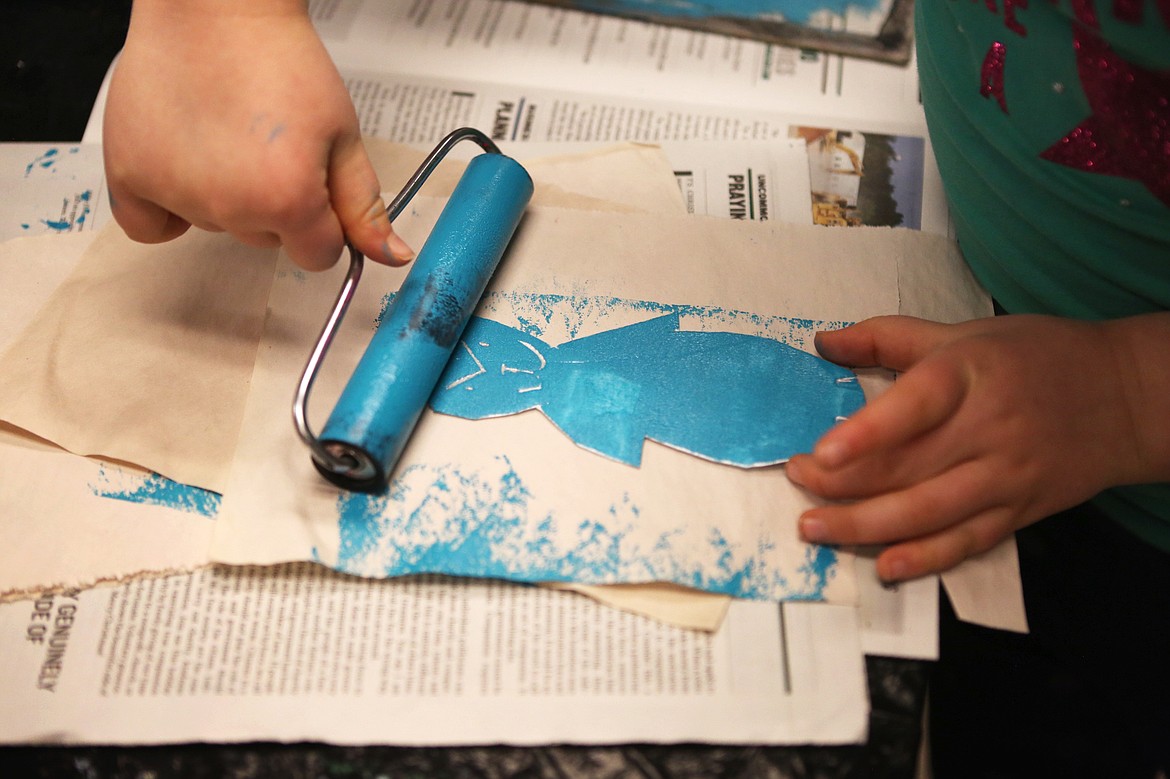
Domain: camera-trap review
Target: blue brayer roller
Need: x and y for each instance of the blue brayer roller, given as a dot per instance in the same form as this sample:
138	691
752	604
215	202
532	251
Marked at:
385	396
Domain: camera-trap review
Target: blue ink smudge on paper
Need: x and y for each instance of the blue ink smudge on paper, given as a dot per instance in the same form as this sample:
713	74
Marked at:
442	519
47	160
81	209
820	566
44	161
539	314
156	490
297	275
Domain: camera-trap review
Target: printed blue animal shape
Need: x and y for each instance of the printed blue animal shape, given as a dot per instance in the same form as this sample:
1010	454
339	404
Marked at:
738	399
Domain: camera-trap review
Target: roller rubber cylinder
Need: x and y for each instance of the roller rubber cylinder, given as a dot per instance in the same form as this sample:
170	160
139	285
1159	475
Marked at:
385	396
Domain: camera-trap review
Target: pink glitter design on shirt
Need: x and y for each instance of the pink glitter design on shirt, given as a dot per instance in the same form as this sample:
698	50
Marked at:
1128	11
1086	13
991	75
1009	13
1128	132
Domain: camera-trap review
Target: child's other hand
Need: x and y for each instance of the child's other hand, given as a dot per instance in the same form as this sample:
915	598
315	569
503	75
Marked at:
231	116
992	425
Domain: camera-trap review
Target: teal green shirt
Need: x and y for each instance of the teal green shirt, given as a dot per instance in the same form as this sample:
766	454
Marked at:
1051	125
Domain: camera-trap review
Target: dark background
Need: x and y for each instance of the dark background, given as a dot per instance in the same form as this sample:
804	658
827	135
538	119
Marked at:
54	56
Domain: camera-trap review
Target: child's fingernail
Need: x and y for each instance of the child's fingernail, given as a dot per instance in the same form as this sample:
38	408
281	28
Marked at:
813	530
397	249
794	475
896	571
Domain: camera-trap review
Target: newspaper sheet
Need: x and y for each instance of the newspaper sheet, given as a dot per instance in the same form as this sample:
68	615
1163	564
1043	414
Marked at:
533	47
300	653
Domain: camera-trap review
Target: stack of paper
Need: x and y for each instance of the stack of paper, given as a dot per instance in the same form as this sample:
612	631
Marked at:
139	360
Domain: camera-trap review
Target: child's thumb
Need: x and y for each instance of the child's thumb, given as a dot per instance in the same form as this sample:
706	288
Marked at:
357	201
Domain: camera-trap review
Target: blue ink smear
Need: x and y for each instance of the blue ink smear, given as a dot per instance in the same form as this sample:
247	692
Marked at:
44	162
798	11
441	519
820	565
296	274
81	209
384	309
156	490
727	397
539	313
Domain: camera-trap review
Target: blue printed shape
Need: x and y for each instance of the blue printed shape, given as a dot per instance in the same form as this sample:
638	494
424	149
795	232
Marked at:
727	397
155	490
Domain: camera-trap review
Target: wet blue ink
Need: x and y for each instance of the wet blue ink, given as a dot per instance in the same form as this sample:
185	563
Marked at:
444	519
799	11
539	314
820	567
155	490
78	216
44	161
388	389
727	397
441	518
387	299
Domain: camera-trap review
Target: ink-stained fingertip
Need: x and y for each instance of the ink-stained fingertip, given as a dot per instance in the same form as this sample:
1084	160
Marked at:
396	250
892	571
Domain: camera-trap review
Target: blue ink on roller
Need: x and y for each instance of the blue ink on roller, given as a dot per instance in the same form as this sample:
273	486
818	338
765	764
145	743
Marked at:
388	389
739	399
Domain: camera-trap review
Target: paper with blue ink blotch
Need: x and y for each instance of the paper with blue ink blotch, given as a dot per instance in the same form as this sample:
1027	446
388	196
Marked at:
727	397
151	489
497	519
74	522
512	495
480	523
